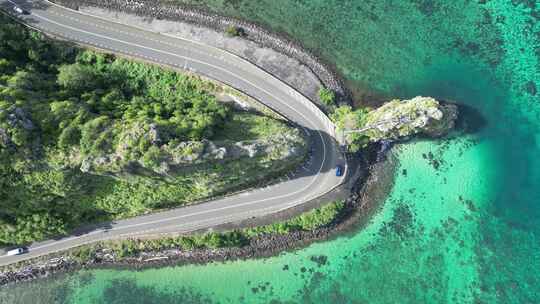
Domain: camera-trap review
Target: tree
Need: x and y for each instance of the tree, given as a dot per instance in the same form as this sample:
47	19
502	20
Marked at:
152	157
98	60
23	80
235	31
5	66
61	114
348	120
30	228
94	137
328	97
77	78
111	103
69	137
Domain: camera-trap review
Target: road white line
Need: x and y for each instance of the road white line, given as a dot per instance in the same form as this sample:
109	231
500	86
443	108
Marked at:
216	67
284	206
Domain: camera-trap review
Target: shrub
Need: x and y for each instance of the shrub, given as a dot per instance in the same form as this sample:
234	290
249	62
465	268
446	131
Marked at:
310	220
235	31
77	78
328	97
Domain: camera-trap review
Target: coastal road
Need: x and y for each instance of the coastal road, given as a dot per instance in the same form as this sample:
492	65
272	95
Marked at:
313	180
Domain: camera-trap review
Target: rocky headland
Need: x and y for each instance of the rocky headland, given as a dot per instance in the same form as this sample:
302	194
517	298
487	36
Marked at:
395	120
403	118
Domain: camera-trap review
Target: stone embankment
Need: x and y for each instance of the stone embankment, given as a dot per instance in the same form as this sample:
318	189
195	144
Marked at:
370	189
366	198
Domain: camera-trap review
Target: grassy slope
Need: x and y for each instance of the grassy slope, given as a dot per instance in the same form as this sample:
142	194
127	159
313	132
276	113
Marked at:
127	199
60	88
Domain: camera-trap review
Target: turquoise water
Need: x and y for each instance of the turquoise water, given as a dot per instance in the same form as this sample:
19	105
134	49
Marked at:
461	224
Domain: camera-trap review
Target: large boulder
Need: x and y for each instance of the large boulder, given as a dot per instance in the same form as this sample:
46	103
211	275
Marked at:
402	118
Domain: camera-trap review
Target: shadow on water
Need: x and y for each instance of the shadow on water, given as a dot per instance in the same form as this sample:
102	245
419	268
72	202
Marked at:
470	120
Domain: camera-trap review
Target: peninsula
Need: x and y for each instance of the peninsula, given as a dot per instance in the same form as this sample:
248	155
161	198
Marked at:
88	137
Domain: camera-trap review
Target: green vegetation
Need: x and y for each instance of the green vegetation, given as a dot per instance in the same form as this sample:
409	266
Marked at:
347	119
130	247
394	120
235	31
307	221
401	118
88	137
328	97
246	126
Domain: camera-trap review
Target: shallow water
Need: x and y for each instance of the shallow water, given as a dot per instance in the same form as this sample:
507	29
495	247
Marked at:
462	221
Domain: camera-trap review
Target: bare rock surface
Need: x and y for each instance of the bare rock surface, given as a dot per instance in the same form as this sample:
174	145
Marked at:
402	118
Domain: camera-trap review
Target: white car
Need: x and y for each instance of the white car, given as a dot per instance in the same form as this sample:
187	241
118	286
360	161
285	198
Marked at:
19	10
16	251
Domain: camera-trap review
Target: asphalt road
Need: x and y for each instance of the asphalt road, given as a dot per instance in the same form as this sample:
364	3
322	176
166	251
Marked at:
312	181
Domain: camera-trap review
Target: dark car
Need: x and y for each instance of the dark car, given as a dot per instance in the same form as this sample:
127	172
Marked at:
339	170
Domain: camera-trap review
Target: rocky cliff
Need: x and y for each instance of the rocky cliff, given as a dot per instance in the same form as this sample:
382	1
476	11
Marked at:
168	160
396	119
402	118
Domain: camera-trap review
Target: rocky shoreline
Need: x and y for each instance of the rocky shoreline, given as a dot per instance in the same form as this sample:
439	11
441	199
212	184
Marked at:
370	188
365	200
253	32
